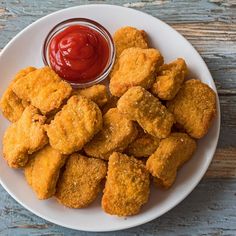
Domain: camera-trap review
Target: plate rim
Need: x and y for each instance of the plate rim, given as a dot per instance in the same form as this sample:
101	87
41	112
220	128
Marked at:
202	171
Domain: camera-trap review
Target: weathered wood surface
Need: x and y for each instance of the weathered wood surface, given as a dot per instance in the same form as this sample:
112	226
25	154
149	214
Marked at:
211	27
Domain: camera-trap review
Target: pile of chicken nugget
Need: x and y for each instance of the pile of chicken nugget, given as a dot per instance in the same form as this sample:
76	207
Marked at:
75	143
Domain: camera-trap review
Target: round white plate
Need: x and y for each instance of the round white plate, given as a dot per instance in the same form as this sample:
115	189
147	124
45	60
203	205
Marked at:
25	50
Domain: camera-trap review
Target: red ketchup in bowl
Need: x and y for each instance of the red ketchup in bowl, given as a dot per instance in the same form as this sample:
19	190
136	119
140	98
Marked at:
78	53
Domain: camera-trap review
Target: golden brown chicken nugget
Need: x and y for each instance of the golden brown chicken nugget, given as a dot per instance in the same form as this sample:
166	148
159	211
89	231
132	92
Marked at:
43	88
116	134
78	121
80	183
127	185
194	107
97	93
128	37
139	105
171	154
136	67
24	137
23	72
169	79
42	171
143	146
11	105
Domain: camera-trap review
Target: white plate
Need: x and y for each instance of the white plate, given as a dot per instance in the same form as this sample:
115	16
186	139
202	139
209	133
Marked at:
25	50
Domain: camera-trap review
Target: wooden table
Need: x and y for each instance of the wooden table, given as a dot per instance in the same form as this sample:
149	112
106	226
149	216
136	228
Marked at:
211	27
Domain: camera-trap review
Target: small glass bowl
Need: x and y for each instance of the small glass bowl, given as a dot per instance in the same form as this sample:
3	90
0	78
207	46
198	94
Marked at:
93	25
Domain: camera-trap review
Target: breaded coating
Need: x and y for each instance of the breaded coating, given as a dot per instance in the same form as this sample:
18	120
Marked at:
78	121
51	115
135	67
128	37
23	72
169	79
112	103
139	105
116	134
143	146
171	154
43	88
80	183
24	137
97	93
42	171
127	186
11	105
194	107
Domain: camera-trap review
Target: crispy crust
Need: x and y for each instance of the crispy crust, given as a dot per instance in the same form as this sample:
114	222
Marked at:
24	137
42	171
78	121
194	107
11	105
97	93
171	154
135	67
80	183
143	146
127	186
169	79
140	105
43	88
127	37
116	135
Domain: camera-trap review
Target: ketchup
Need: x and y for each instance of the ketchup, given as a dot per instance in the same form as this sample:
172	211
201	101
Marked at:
78	53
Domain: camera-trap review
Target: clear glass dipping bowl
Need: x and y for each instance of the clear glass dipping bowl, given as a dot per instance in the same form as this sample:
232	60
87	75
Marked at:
93	25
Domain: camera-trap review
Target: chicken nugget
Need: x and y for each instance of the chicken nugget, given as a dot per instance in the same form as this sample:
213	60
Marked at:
127	185
135	67
143	146
24	137
80	183
11	105
194	108
116	135
169	79
171	154
128	37
97	93
23	72
43	88
78	121
42	171
139	105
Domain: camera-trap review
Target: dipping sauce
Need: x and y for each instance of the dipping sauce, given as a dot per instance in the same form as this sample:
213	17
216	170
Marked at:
78	53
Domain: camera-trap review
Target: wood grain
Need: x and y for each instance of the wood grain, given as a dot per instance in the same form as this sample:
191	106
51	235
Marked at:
211	27
223	164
